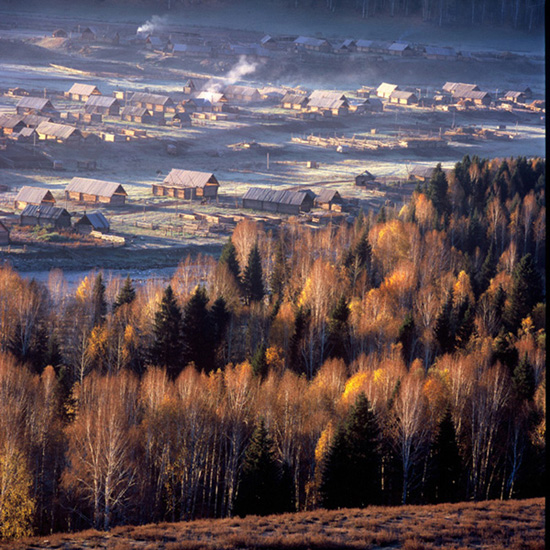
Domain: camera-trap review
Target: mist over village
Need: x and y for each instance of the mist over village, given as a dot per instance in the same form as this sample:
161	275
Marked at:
272	274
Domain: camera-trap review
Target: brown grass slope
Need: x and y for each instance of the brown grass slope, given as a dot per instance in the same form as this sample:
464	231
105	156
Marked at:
515	525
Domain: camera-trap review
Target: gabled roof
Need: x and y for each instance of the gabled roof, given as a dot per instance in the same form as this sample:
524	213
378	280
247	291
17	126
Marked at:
267	38
364	43
38	103
95	187
279	197
44	211
400	94
96	219
84	89
101	101
328	195
35	120
189	178
514	94
154	41
473	94
34	195
399	47
10	121
290	97
327	100
133	110
386	88
60	131
26	132
310	41
456	88
367	175
155	99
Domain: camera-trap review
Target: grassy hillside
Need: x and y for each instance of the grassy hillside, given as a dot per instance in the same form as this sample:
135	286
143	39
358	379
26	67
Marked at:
490	525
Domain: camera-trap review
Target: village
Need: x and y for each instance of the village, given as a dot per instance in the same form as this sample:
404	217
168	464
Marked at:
204	139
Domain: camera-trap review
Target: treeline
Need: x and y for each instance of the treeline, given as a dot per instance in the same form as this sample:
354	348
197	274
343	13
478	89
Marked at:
398	360
525	14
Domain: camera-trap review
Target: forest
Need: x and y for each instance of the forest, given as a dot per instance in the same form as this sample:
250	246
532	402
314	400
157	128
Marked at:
521	14
398	360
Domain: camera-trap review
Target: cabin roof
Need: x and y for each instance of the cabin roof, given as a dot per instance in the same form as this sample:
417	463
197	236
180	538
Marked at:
33	195
280	197
61	131
95	187
44	211
155	99
189	178
83	89
96	219
37	103
101	101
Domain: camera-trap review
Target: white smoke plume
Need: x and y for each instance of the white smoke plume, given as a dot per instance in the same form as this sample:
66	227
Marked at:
154	24
242	68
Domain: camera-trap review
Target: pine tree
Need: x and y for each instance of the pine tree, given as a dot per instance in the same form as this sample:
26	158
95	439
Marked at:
523	380
505	352
296	360
99	305
488	270
437	190
167	347
229	257
258	362
253	283
526	292
352	470
259	488
126	295
407	337
338	329
219	317
443	329
197	332
446	463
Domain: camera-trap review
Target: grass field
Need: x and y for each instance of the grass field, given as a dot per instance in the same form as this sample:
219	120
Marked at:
491	525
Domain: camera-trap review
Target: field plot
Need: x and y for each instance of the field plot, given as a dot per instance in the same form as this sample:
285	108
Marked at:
252	140
488	525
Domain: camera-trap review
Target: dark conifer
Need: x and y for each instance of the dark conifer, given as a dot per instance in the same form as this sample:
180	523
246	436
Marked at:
126	295
338	329
99	304
443	330
258	362
523	380
167	347
253	283
407	338
229	257
197	332
259	487
437	190
352	471
295	354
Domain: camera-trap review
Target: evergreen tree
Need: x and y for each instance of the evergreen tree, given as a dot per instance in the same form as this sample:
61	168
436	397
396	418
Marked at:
523	380
99	304
505	352
126	295
167	347
407	338
338	329
253	279
197	332
443	329
258	362
296	360
446	463
279	274
526	292
259	490
228	256
437	189
352	470
487	272
219	317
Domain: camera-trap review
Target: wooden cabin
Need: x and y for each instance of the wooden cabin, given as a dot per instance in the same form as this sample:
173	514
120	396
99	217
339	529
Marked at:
477	98
347	46
403	98
401	49
312	44
153	102
365	178
96	191
60	33
88	34
4	235
294	101
35	105
92	221
329	199
45	214
33	195
11	124
385	90
102	105
282	202
61	133
195	85
133	113
334	103
187	184
242	93
515	97
190	50
82	92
